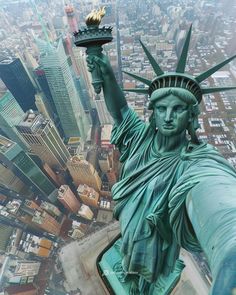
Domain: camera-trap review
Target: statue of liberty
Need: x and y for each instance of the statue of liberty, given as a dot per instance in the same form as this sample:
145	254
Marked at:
174	190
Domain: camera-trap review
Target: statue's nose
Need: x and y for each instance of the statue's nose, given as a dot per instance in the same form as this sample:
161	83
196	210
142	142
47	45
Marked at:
169	116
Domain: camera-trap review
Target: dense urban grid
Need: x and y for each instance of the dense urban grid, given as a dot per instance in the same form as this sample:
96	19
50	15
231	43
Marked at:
57	165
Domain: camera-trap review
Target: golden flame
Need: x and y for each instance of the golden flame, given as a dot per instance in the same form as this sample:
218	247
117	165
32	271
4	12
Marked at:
94	18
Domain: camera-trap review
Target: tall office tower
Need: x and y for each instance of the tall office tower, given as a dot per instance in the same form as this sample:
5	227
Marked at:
43	106
43	85
15	159
44	140
16	79
10	115
84	95
82	172
70	13
68	199
81	61
70	111
9	181
68	45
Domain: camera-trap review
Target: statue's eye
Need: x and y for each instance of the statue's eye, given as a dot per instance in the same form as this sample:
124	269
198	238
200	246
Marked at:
179	108
161	109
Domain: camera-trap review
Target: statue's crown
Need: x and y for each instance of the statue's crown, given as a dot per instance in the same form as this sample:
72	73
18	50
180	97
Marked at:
178	78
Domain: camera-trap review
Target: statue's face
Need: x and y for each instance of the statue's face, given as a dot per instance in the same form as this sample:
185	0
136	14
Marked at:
171	115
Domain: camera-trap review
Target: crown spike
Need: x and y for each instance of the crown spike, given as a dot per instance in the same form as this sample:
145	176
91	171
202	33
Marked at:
211	71
183	57
141	79
158	71
137	90
217	89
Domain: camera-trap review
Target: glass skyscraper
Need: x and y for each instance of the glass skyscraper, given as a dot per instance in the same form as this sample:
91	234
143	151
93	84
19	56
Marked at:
10	115
44	140
19	162
54	62
17	80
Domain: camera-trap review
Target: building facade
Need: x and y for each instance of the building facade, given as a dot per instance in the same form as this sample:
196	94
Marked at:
44	140
17	80
19	162
68	199
65	96
88	195
82	172
10	115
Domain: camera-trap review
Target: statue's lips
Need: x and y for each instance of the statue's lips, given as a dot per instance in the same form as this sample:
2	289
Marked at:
165	126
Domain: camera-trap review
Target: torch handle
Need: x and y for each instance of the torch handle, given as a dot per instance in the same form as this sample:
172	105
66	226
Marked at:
97	80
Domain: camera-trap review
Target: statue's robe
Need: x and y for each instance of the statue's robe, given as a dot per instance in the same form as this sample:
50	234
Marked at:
151	193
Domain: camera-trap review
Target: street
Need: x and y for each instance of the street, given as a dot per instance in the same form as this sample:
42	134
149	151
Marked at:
79	261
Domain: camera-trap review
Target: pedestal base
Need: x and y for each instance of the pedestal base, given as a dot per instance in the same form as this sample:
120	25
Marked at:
117	281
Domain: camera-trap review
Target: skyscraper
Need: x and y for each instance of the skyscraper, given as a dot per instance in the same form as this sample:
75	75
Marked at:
43	85
68	199
10	182
10	115
70	13
65	96
80	59
44	140
82	172
16	79
15	159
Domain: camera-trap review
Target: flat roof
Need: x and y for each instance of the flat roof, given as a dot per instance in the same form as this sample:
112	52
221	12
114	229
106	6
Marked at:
5	144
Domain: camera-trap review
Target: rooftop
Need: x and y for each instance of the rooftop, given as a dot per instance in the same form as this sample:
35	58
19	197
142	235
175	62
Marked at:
7	60
34	121
5	144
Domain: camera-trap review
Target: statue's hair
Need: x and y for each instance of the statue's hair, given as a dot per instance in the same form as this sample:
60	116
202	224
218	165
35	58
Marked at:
181	93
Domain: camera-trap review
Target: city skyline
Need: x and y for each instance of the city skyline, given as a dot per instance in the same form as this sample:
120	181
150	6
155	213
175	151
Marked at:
57	165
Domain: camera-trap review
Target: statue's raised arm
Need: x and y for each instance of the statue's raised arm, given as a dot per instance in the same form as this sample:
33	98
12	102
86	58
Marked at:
93	37
114	96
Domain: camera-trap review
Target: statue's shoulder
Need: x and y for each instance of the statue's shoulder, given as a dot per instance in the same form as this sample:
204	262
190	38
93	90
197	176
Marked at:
201	150
205	155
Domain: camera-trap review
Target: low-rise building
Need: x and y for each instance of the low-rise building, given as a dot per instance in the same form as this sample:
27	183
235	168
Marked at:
85	212
88	195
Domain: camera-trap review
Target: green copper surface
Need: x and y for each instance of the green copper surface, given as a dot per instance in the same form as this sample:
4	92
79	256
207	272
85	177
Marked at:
111	267
141	79
184	54
174	191
214	69
158	71
217	89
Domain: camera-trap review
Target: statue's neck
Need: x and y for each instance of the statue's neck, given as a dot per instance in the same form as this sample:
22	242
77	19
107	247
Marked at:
169	144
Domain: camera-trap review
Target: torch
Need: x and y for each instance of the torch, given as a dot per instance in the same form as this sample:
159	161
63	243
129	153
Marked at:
93	37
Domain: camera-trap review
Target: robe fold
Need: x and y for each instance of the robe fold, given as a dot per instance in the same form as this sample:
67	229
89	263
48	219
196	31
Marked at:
150	196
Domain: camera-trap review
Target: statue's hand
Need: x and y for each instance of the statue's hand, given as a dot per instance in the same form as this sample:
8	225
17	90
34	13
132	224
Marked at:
102	62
